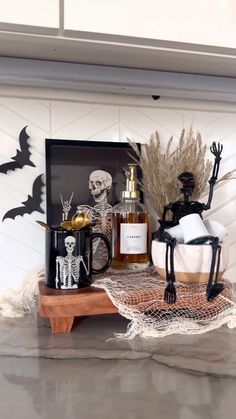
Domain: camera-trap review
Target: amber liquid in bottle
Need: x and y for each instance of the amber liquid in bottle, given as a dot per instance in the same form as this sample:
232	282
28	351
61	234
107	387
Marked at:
129	213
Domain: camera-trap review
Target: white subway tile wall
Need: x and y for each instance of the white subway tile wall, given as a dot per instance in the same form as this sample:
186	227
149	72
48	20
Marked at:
22	240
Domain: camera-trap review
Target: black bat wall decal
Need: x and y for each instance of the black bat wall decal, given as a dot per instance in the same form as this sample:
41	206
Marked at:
31	204
22	157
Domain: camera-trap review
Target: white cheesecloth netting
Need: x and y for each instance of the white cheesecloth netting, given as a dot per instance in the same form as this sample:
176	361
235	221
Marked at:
18	302
139	297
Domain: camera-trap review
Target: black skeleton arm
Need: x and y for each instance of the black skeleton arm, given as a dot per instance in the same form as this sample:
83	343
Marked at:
216	150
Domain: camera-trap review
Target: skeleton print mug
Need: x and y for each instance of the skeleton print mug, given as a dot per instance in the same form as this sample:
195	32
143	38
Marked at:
69	257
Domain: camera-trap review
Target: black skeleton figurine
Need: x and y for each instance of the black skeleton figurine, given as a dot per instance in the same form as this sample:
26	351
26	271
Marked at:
185	207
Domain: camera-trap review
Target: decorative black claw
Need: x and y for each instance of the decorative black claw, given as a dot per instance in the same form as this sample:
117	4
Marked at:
214	291
216	149
170	291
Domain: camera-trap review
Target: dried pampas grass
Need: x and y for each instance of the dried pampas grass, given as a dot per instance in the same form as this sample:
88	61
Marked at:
161	168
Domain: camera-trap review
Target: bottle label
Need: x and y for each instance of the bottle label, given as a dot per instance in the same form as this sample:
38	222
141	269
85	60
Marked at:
133	238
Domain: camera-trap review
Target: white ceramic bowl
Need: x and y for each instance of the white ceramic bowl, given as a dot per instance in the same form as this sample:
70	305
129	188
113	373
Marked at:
191	262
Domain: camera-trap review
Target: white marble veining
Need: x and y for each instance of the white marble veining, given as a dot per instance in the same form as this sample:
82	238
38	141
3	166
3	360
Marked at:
84	375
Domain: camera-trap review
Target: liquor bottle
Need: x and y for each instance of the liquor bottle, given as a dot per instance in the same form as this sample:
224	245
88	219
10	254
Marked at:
130	228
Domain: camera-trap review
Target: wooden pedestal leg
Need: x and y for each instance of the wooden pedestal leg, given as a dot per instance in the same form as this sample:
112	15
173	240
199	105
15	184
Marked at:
61	324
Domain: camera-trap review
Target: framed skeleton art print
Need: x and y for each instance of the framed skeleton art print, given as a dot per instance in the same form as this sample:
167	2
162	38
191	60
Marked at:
85	176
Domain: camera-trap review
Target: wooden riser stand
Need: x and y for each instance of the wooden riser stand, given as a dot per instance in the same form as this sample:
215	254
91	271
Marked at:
63	306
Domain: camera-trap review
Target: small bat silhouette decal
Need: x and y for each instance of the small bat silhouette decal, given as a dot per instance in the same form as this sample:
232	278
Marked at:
31	204
22	157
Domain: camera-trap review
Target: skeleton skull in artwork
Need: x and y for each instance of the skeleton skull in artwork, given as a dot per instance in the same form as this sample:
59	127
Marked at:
100	183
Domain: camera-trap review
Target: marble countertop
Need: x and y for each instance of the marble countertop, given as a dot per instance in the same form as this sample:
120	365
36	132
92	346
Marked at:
86	371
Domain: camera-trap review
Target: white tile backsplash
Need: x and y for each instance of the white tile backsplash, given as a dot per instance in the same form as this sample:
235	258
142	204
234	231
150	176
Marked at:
74	112
87	124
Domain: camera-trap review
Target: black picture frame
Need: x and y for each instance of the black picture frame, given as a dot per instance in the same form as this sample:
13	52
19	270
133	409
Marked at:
69	164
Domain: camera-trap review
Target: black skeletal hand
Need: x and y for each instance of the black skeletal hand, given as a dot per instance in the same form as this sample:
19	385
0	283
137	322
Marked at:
170	293
216	149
